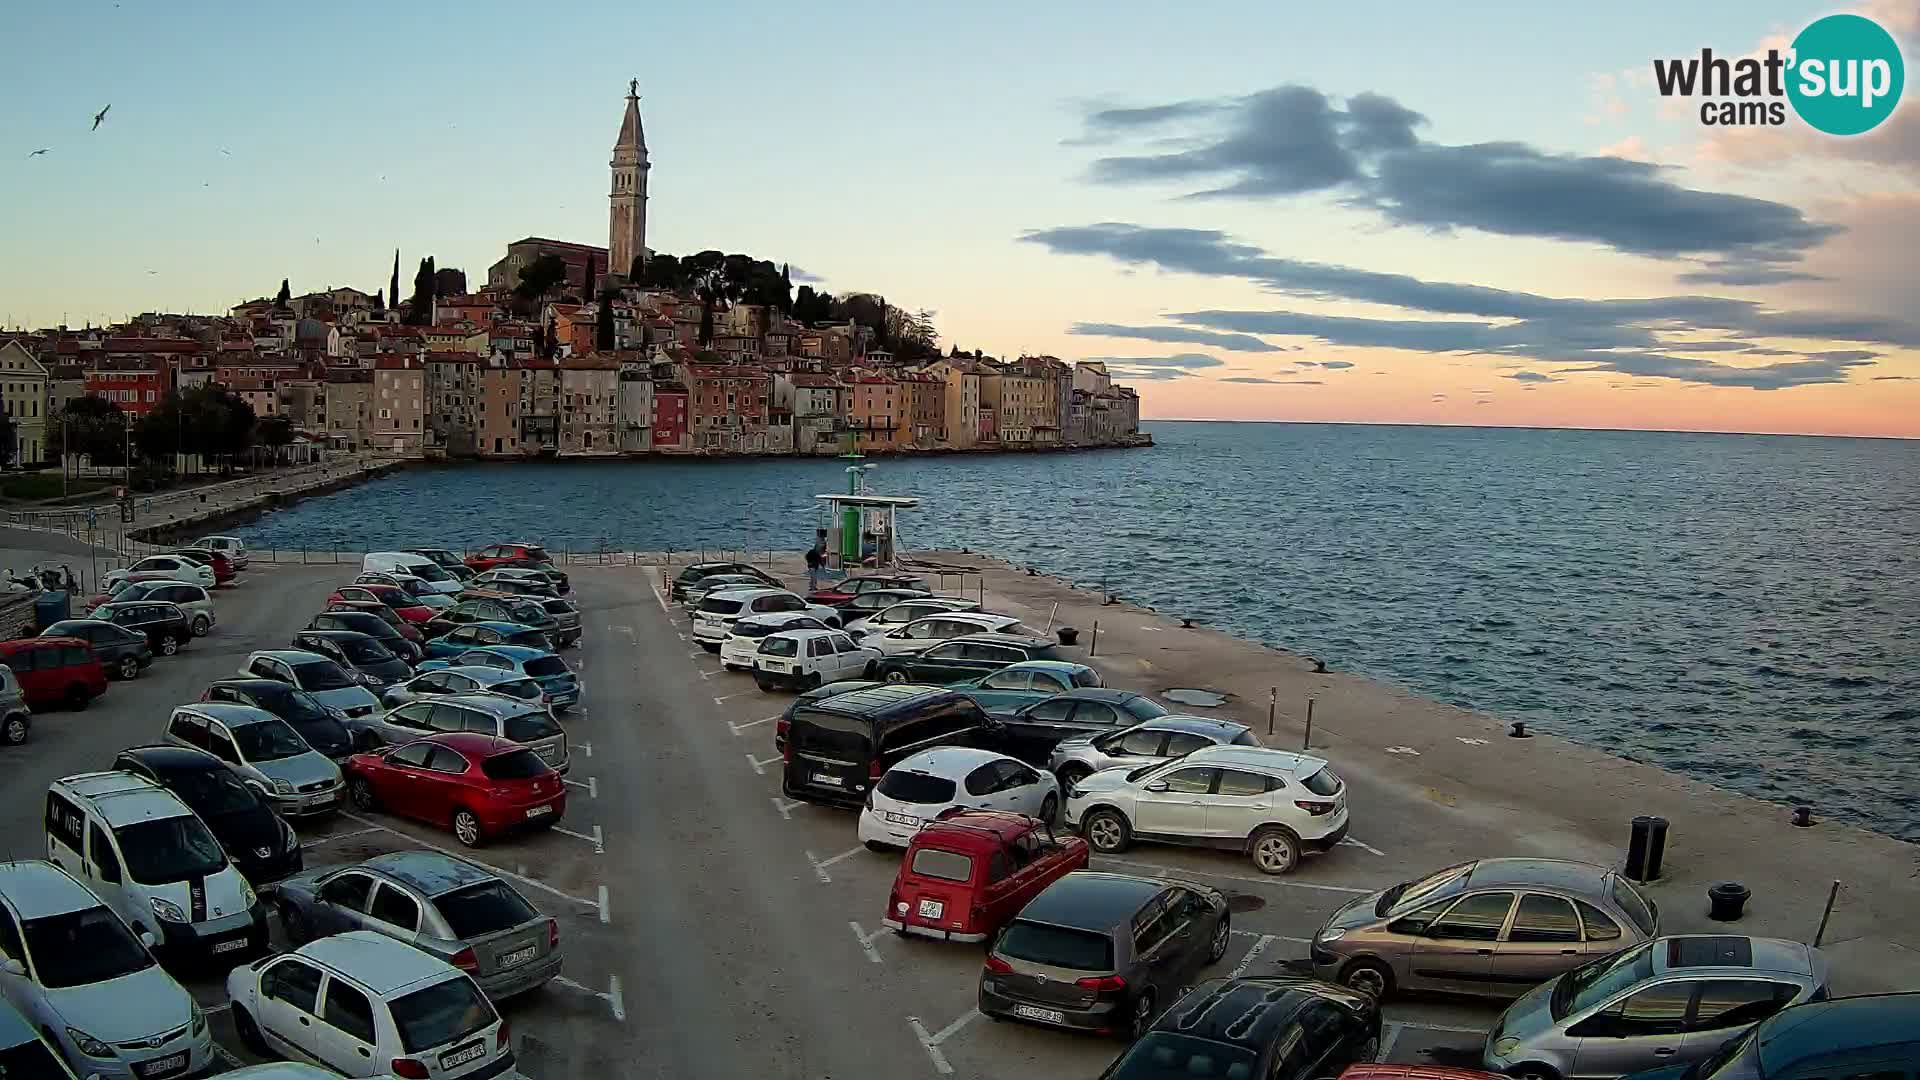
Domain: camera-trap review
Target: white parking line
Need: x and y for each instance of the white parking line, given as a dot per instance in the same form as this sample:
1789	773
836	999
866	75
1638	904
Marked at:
785	806
705	674
1260	946
1362	845
866	940
820	865
682	637
663	600
760	765
606	915
695	654
1387	1038
932	1042
1276	882
611	995
596	839
585	748
592	785
521	878
738	728
735	694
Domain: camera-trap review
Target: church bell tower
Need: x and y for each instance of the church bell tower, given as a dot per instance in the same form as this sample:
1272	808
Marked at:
627	202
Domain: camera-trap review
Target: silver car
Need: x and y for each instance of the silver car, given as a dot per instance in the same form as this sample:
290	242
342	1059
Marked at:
566	615
264	750
447	907
1671	1001
15	718
446	682
328	682
1169	736
526	722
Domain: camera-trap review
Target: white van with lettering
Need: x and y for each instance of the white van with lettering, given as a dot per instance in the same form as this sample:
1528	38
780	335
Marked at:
154	862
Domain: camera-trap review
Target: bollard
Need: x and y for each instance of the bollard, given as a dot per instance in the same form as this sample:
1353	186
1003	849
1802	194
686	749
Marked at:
1803	817
1068	636
1646	848
1656	848
1186	624
1519	730
1727	900
1832	895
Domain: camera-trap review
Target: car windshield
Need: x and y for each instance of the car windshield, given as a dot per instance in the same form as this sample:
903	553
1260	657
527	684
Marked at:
780	646
1017	629
831	734
1164	1055
1587	986
1634	905
321	675
482	909
1142	708
915	787
514	765
161	851
531	639
754	628
31	1060
945	865
365	650
1086	677
541	667
82	947
296	706
529	726
443	1013
524	689
212	792
428	571
1056	946
269	740
1408	895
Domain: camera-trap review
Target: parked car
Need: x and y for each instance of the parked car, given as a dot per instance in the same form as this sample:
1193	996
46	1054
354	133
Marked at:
365	1005
1034	730
886	609
477	785
839	746
519	611
1449	932
744	637
489	557
1670	1001
85	980
1103	952
700	571
562	687
398	600
167	626
322	726
1172	736
476	634
967	874
461	913
122	652
223	571
328	682
1273	805
446	682
427	570
234	548
514	582
1396	1071
839	592
962	658
1278	1028
262	750
366	622
192	599
804	659
16	719
553	574
832	689
566	618
361	654
162	568
525	722
257	840
421	591
380	611
713	620
935	783
23	1053
705	587
445	558
929	630
54	671
1016	686
1876	1036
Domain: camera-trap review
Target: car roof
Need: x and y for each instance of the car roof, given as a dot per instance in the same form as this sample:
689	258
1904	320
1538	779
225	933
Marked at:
167	758
1058	667
376	961
230	713
521	653
749	592
1248	1012
1014	640
336	635
37	642
501	625
1097	693
1091	900
479	674
252	684
84	622
37	888
882	697
431	872
473	744
1872	1028
493	704
1552	873
119	605
1258	757
1198	725
771	617
1732	952
125	799
948	762
805	633
287	656
1386	1070
978	618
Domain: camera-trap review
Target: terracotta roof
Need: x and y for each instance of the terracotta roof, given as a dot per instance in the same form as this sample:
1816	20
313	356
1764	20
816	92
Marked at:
715	371
438	357
814	380
395	363
590	362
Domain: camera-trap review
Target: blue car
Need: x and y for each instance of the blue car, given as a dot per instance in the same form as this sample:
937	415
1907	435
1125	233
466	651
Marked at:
540	665
478	635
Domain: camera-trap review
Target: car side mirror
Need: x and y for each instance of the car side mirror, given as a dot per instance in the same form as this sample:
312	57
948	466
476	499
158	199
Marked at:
14	967
1157	785
147	939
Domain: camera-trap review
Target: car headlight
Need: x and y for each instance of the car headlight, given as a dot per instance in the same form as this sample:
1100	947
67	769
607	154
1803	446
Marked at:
168	911
248	897
289	840
1503	1047
89	1045
1332	934
199	1018
337	714
282	787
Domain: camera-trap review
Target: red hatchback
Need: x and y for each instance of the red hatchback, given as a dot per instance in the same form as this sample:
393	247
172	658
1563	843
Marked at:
844	590
967	874
394	597
55	671
480	786
500	554
222	566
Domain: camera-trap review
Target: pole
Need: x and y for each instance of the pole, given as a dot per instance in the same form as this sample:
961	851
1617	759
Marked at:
1832	894
1055	610
1095	643
1273	701
1307	739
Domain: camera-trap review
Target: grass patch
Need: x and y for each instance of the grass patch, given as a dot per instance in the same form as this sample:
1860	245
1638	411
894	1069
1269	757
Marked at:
33	487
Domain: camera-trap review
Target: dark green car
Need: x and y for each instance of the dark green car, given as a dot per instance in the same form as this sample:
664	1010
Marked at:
968	657
1017	686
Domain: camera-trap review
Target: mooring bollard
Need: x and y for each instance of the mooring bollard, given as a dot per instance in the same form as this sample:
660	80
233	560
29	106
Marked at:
1519	730
1646	848
1803	817
1728	900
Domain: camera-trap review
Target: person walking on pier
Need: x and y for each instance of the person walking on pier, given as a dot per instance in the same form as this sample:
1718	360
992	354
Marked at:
815	557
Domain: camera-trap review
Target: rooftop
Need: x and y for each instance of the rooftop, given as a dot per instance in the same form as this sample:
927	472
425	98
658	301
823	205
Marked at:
380	963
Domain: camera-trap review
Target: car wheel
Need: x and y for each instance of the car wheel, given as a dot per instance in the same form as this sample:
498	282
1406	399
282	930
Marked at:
201	626
811	682
1221	933
1368	1050
1107	831
77	697
875	846
1142	1015
1533	1070
1274	850
14	732
1073	774
249	1033
1370	977
361	792
169	646
466	828
766	687
1050	808
895	675
294	923
129	667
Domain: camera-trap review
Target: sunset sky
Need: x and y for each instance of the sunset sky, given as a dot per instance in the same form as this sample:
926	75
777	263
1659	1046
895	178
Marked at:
1371	212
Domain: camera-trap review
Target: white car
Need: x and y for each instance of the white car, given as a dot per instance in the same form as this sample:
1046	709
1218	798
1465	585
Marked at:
435	576
364	1004
1273	805
924	633
743	642
713	620
804	659
906	611
423	592
162	568
922	787
74	970
195	600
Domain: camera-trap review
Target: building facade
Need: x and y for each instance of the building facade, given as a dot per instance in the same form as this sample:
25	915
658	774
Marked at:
399	405
589	406
24	396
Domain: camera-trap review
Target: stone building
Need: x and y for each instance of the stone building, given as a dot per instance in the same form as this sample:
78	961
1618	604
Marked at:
399	405
589	406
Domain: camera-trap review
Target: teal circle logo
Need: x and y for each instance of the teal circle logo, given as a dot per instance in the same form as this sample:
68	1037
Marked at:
1847	74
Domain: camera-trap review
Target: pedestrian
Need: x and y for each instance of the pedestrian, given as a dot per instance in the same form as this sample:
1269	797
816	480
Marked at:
814	559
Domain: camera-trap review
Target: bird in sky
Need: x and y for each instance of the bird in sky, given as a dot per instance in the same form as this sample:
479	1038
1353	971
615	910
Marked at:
42	150
226	152
99	116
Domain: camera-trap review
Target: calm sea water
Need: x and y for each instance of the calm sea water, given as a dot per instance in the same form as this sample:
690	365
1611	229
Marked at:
1745	609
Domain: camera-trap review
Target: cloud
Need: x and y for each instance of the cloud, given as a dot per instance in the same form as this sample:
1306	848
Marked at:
1484	401
1530	377
802	277
1438	397
1174	334
1151	374
1178	360
1723	272
1335	365
1294	140
1896	378
1273	382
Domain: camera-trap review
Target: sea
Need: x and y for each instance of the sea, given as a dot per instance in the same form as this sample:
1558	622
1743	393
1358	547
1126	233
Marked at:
1744	609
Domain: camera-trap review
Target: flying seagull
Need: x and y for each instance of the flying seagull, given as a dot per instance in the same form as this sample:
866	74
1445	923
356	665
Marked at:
99	116
42	150
226	152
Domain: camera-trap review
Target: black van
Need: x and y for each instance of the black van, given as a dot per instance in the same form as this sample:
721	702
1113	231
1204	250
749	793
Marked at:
837	747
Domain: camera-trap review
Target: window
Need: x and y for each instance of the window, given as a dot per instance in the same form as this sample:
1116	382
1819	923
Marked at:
294	982
1657	1010
445	760
349	1011
412	754
1190	781
447	718
1096	713
394	907
1141	743
10	945
1726	1003
1476	918
412	715
984	780
65	821
188	729
1544	918
220	746
1241	784
1599	926
100	850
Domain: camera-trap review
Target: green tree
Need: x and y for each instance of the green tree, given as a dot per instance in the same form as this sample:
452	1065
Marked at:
540	275
274	432
420	306
8	438
90	426
603	324
659	272
393	286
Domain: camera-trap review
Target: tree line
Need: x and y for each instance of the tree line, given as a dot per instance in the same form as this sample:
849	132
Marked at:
209	422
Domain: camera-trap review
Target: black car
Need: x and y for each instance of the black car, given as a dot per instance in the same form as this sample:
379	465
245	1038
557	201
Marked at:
123	652
696	571
1103	952
1273	1028
839	746
166	626
557	578
357	652
513	609
323	730
832	689
966	657
1076	714
366	622
264	847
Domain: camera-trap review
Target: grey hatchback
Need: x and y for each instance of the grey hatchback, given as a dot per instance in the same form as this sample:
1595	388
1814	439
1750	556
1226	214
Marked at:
1495	927
1103	952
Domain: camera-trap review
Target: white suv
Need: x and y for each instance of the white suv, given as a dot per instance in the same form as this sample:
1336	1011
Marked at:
713	620
743	640
924	633
1272	805
75	971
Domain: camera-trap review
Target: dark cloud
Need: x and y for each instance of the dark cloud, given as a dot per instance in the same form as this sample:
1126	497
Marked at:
1335	365
1178	360
1895	378
1173	335
1123	119
1273	382
1531	377
1744	274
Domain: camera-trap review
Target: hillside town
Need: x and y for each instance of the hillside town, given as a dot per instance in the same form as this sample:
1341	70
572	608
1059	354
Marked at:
575	351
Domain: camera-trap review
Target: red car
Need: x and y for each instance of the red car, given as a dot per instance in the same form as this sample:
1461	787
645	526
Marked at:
1414	1072
967	874
499	554
398	600
55	671
222	566
847	588
479	785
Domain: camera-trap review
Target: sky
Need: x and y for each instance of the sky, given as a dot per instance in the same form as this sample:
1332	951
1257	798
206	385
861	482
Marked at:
1387	213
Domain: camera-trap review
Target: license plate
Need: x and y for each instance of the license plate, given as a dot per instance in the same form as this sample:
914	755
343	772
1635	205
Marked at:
823	778
519	956
170	1063
317	800
932	909
1051	1016
453	1059
902	819
229	946
540	810
772	666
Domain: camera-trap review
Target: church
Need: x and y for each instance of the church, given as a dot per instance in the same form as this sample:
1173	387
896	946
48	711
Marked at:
626	219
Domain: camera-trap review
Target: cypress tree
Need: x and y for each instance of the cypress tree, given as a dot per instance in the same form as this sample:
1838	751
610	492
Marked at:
393	286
